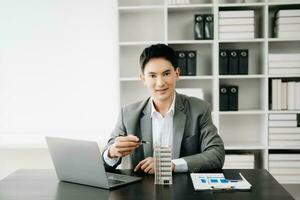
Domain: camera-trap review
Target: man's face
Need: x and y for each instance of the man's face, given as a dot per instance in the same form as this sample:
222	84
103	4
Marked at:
160	79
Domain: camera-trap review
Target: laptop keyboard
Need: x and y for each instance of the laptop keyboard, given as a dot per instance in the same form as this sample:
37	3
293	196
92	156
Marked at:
114	182
114	179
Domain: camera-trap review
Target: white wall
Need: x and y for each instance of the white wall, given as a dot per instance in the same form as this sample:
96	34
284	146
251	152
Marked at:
58	75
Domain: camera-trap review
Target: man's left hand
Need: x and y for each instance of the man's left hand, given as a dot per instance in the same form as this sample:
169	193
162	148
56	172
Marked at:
147	165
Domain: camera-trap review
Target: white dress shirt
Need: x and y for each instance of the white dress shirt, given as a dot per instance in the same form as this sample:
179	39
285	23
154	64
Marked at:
162	134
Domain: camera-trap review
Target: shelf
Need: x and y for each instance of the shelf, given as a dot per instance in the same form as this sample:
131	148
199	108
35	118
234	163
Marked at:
195	77
257	40
243	112
283	148
138	8
283	111
180	78
193	7
138	43
241	76
284	39
283	76
241	5
190	41
282	3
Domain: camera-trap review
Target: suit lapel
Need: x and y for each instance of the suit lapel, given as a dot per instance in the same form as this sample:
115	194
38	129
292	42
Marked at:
179	120
146	130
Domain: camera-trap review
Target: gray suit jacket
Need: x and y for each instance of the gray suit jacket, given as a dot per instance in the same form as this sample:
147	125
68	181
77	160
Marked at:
195	138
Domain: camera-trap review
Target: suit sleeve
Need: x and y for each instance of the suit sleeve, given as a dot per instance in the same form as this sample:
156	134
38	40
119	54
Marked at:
212	154
119	129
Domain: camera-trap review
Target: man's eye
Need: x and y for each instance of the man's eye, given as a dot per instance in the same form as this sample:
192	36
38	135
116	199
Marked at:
152	76
167	74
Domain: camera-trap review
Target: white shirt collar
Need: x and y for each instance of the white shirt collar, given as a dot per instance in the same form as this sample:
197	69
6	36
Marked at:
171	109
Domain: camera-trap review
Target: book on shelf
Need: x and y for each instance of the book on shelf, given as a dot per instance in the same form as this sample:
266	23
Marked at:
284	136
236	28
287	178
287	27
283	64
236	21
285	70
284	143
287	34
297	97
284	57
236	14
276	94
291	86
284	130
236	35
289	116
286	170
287	20
291	123
284	90
283	164
284	157
287	13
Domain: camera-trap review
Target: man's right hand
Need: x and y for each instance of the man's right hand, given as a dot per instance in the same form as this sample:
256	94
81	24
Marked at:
123	146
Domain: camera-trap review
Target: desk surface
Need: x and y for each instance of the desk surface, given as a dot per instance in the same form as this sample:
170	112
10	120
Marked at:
43	184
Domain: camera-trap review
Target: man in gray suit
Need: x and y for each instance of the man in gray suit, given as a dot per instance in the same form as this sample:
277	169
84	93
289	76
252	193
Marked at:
166	118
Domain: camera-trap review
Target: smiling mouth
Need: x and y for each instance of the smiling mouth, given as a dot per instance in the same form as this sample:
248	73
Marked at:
161	91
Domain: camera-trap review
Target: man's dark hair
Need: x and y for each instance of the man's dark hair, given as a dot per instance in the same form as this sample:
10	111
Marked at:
158	51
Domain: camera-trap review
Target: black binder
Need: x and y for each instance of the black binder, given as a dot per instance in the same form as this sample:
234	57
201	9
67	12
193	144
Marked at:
181	62
191	63
233	62
198	27
224	98
208	26
223	62
243	61
233	97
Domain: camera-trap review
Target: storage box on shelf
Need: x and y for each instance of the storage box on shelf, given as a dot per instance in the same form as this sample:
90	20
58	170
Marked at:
284	21
285	165
249	26
243	159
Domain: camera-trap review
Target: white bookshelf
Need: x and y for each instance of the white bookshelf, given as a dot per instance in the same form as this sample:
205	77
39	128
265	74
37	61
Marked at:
142	23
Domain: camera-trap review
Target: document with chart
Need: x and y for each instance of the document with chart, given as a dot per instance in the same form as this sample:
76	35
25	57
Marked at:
217	181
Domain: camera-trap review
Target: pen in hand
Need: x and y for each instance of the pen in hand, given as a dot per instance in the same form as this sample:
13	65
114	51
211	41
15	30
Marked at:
140	140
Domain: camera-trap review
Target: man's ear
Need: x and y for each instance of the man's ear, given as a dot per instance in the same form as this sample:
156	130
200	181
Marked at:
177	71
142	77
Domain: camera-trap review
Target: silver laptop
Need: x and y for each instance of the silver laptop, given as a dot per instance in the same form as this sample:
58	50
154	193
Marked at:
81	162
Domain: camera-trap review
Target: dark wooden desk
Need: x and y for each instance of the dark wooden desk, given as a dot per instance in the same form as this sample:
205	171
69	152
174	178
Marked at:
43	185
